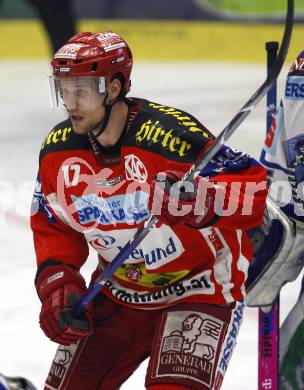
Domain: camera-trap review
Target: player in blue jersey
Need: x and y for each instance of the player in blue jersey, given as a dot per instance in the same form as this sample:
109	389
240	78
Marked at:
279	243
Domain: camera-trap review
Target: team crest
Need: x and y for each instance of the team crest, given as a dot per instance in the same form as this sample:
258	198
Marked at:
135	169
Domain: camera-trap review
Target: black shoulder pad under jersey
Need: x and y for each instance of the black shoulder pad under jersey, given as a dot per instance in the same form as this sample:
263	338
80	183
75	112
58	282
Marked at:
62	137
168	131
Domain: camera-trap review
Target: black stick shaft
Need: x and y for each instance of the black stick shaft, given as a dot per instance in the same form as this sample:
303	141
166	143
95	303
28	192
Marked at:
268	365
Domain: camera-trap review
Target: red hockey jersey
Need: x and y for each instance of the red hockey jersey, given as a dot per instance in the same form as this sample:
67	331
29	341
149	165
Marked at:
87	194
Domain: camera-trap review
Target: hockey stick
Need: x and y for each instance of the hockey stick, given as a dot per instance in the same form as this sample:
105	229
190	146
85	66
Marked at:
268	363
226	133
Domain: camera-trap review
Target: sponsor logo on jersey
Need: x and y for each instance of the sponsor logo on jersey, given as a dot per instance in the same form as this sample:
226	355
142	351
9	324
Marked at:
135	169
189	346
201	284
160	247
294	88
133	272
108	182
55	136
102	242
232	335
129	208
60	365
138	273
107	242
216	241
152	133
183	119
157	254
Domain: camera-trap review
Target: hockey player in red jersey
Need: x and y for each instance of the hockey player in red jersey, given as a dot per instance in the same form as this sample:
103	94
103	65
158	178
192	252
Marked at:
102	172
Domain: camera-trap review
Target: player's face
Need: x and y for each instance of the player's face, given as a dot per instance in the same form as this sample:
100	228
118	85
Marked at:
83	102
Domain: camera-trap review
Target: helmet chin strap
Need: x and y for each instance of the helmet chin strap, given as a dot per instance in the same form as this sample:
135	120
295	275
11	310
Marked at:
108	110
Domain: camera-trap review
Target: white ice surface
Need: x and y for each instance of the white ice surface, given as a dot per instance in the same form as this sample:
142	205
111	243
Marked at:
211	92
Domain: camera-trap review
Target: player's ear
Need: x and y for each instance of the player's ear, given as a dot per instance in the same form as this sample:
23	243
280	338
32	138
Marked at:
114	90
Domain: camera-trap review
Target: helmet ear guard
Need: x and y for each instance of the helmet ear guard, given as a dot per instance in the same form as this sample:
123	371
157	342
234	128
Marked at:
121	78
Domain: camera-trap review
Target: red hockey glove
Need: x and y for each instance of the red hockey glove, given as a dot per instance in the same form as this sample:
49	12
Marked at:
192	205
59	287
